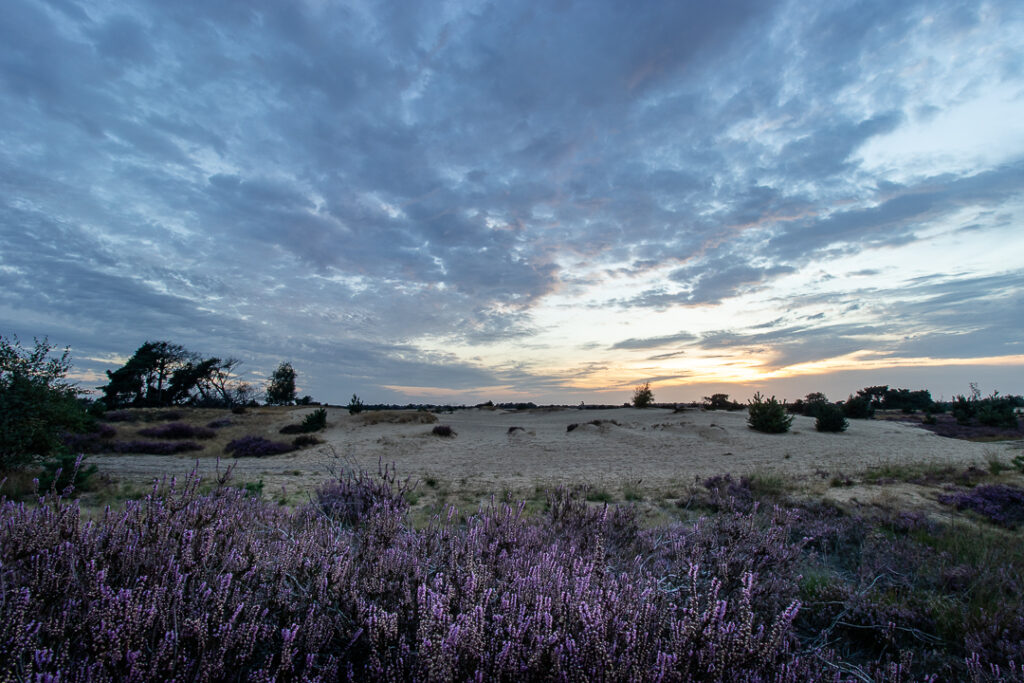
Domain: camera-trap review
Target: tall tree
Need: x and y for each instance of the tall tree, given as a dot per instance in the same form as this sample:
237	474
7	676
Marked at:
281	386
145	379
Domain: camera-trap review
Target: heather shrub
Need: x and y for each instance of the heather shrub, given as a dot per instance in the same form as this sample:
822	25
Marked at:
443	430
225	586
178	430
256	447
830	418
354	494
767	416
154	447
96	441
1000	504
220	423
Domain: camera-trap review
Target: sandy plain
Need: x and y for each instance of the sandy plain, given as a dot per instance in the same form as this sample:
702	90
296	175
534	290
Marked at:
654	451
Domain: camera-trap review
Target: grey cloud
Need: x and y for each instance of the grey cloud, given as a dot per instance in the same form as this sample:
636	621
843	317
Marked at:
654	342
353	175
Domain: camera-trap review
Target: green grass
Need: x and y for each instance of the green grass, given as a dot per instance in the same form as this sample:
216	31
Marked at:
599	496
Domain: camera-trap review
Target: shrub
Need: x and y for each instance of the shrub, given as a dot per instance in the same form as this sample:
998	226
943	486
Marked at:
178	430
997	412
858	408
313	422
443	430
768	416
1000	504
830	419
96	441
122	416
305	440
355	405
355	495
256	447
814	403
720	402
316	420
643	396
36	404
155	447
220	423
65	471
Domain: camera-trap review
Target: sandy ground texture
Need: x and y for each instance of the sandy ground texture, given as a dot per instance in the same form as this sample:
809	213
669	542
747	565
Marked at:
653	449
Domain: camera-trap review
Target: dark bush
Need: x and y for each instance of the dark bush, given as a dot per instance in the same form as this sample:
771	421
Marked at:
96	441
154	447
720	402
316	420
814	403
906	400
220	423
238	410
830	419
256	447
996	412
355	405
178	430
305	440
122	416
1000	504
858	408
37	404
643	396
768	416
66	470
443	430
515	429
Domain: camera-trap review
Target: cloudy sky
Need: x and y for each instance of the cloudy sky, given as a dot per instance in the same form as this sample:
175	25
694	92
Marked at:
513	200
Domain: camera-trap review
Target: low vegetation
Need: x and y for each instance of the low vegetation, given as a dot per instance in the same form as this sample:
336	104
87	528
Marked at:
643	396
768	415
236	587
830	418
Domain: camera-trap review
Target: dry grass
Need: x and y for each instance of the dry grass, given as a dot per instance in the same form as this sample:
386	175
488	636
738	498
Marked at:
396	417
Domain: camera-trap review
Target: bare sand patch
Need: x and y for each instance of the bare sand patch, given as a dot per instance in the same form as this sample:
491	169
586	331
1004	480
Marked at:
655	450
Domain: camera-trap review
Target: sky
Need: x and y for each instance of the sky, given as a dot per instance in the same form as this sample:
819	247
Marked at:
455	202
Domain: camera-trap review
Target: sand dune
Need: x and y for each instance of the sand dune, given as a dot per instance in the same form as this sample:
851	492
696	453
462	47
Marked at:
656	447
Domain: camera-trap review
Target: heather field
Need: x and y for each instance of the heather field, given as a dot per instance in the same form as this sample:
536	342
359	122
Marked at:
542	544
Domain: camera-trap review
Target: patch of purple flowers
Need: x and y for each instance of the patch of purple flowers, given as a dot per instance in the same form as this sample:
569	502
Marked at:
178	430
256	447
154	447
226	587
1000	504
